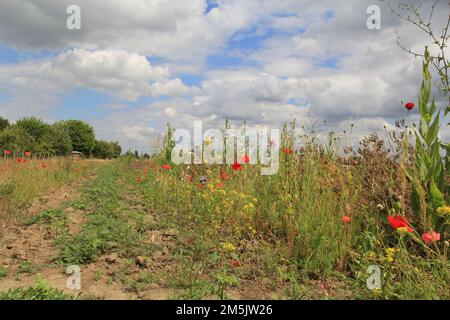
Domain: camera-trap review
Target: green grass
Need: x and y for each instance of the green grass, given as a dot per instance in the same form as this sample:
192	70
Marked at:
110	219
41	291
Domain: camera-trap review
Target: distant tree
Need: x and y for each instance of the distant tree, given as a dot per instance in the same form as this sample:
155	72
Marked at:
3	124
117	149
129	154
136	153
56	141
35	127
81	134
106	150
16	139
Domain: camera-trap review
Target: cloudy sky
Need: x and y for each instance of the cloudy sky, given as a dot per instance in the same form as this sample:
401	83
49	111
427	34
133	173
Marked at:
136	65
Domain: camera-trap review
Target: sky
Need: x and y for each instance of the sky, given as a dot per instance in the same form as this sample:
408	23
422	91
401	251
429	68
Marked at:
136	65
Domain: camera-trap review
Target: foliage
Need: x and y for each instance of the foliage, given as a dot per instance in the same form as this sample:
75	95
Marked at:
106	150
41	291
16	139
3	124
81	134
429	187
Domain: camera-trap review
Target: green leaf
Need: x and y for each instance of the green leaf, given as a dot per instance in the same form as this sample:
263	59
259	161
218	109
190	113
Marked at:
415	199
437	199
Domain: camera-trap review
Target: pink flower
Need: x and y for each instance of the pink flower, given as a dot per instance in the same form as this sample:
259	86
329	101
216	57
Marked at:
429	237
245	158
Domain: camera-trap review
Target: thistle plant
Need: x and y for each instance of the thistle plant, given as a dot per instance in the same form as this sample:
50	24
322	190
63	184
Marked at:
429	188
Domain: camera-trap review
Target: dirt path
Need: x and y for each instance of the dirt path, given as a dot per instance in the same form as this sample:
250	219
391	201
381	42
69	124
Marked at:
28	251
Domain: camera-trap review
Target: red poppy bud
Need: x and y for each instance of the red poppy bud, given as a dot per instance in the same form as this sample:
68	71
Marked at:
409	105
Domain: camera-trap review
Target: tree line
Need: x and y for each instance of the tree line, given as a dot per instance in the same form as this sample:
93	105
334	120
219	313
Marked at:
31	134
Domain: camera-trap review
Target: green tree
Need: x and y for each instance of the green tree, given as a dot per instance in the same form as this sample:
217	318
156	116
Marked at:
3	124
106	150
81	134
16	139
35	127
56	141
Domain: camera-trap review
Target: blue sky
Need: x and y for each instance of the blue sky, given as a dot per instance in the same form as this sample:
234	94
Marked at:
179	61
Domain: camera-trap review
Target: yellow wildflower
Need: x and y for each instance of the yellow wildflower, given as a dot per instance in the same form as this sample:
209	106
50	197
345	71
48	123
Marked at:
444	211
229	246
249	206
208	141
390	252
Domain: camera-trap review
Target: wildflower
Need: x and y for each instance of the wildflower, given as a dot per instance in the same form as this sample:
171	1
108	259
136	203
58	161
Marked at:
346	219
404	230
236	167
7	152
167	167
229	246
397	222
208	141
43	165
220	185
138	180
390	252
225	176
429	237
200	186
189	178
145	171
19	160
245	158
287	150
27	154
444	211
235	263
409	106
249	206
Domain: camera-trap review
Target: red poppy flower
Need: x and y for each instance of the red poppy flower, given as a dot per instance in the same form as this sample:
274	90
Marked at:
138	180
189	178
236	167
167	167
245	158
145	171
7	152
235	263
200	186
27	154
19	160
397	221
287	150
346	219
220	185
225	176
429	237
409	105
